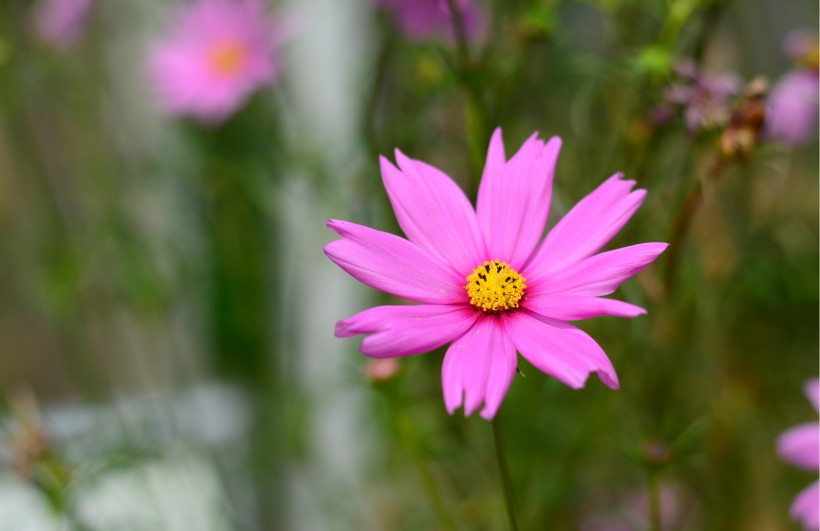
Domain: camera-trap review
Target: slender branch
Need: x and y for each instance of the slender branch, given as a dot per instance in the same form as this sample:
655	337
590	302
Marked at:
679	230
460	33
654	502
506	483
408	435
468	76
683	220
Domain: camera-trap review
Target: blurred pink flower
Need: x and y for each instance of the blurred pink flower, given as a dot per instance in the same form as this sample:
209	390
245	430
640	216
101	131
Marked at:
792	108
484	279
219	52
801	447
629	511
382	369
61	22
420	19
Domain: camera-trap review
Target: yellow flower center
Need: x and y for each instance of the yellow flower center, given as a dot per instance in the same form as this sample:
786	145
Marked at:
227	57
495	286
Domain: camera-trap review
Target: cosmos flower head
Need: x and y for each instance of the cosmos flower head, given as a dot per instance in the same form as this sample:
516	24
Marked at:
485	280
422	19
61	23
217	54
800	446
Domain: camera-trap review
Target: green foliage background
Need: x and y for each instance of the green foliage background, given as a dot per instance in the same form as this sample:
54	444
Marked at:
146	255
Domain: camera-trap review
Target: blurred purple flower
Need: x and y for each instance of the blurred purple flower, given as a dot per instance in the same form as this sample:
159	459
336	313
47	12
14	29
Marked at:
801	447
801	46
421	19
792	108
218	53
485	280
61	22
703	97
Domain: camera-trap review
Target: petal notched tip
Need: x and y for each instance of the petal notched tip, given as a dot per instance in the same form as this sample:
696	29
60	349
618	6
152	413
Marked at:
453	401
609	379
345	328
402	160
496	147
554	145
489	412
386	166
336	225
637	310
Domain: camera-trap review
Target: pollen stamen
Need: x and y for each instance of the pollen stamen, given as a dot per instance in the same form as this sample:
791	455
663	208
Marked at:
495	286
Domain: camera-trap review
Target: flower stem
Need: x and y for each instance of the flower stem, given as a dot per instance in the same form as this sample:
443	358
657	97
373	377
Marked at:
506	483
680	227
460	33
470	77
654	502
408	435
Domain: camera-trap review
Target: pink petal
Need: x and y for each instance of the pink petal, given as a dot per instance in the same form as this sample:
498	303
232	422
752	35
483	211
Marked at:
392	264
588	226
434	213
598	275
407	330
801	446
478	367
514	198
559	349
806	507
576	307
812	389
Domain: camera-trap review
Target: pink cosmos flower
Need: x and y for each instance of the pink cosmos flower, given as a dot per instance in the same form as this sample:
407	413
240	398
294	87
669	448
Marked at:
61	22
792	108
219	52
420	19
801	447
483	280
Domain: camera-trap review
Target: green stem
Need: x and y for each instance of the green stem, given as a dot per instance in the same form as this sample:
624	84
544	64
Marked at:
467	72
654	502
679	230
460	33
506	483
408	435
683	220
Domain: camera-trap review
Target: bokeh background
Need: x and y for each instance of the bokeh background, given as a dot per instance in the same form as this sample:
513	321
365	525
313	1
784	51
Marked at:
167	359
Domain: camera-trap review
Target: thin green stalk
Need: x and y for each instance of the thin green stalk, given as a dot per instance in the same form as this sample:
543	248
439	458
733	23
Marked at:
460	33
506	483
654	502
683	220
467	70
408	435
